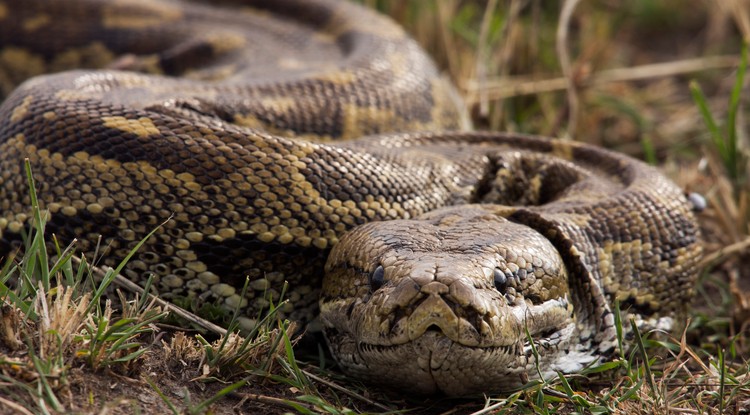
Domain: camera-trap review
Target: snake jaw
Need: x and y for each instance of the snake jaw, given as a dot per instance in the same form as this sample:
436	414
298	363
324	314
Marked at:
434	361
435	319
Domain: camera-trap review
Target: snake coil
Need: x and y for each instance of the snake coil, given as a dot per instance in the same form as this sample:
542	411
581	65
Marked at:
444	253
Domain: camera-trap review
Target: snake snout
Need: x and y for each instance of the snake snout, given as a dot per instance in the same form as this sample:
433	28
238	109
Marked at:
443	295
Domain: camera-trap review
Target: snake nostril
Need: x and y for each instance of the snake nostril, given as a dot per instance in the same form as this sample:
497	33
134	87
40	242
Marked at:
500	280
377	278
434	327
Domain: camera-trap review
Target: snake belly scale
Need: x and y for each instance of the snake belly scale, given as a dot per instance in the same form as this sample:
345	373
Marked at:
314	143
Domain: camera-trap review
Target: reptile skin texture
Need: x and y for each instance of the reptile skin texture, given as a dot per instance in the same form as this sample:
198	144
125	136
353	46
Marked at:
313	148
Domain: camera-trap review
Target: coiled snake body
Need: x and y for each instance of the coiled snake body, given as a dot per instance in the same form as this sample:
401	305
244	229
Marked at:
447	252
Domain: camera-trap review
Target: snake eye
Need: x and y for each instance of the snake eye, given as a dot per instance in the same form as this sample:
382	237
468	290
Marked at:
500	280
377	278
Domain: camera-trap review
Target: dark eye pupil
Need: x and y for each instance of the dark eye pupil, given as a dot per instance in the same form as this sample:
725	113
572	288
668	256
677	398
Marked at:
377	278
500	280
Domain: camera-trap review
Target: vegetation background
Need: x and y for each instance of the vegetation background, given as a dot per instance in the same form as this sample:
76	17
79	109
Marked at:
661	80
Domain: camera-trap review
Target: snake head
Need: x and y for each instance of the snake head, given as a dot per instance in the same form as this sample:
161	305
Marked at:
447	303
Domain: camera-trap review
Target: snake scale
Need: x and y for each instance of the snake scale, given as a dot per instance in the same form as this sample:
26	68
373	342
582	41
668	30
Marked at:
314	142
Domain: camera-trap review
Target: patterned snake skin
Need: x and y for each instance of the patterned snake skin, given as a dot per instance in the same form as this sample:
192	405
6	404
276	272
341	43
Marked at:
447	252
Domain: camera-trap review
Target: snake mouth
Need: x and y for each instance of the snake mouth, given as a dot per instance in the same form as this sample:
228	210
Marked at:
435	362
371	349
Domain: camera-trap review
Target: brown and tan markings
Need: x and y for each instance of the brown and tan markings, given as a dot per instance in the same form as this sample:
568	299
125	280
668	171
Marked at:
429	254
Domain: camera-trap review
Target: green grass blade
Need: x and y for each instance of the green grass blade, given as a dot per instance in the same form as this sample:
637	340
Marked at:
722	379
618	329
49	393
9	295
649	152
534	352
163	397
290	358
700	100
203	406
111	274
632	392
734	102
641	346
64	265
578	401
39	225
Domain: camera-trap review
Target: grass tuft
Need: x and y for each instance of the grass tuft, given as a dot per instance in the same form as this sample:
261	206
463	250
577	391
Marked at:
55	317
629	63
724	139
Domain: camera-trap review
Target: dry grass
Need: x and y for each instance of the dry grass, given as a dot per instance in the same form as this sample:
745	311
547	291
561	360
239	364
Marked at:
615	73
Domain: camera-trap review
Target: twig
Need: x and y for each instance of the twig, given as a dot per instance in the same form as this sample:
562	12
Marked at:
515	86
741	17
451	411
19	409
346	391
125	283
506	54
450	48
562	54
273	401
483	47
682	410
725	251
490	408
